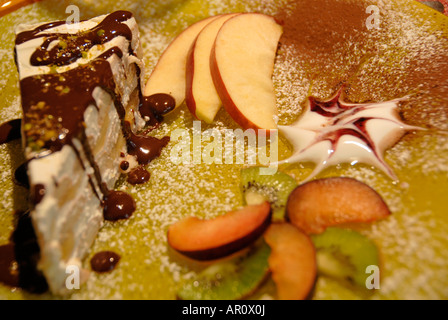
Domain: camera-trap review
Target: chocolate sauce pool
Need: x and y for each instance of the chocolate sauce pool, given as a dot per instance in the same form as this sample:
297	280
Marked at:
156	105
19	258
21	175
10	130
9	273
146	148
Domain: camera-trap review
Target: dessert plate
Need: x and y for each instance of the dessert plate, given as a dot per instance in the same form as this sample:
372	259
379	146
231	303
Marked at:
394	51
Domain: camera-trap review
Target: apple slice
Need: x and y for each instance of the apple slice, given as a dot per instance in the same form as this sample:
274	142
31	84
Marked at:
222	236
292	261
242	64
168	76
322	203
201	96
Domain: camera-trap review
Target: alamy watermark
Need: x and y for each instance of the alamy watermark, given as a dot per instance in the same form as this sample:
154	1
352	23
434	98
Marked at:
373	21
226	146
373	280
72	281
72	20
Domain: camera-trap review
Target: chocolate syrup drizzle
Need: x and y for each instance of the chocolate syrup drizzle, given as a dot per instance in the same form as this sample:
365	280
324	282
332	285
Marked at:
156	105
54	104
70	47
145	148
9	273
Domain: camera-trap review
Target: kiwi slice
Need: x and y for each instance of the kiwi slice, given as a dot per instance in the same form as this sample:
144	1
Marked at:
229	280
274	188
345	254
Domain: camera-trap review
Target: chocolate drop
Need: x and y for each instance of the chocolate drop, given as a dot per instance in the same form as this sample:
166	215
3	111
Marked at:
118	205
138	176
124	165
104	261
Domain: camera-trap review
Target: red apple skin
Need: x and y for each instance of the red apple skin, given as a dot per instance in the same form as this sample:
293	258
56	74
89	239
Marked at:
219	237
322	203
190	66
228	103
292	261
175	78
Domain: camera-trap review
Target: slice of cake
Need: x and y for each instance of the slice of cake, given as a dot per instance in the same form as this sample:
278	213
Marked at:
80	89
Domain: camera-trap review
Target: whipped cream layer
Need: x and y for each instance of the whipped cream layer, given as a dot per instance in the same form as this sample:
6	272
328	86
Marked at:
75	102
333	132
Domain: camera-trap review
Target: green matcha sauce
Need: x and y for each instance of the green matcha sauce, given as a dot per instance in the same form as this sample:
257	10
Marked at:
412	243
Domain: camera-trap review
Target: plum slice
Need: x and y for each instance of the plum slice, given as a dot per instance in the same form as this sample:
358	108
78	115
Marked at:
292	261
215	238
322	203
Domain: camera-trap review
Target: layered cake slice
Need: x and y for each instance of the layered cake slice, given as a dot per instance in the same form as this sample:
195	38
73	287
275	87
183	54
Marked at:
80	89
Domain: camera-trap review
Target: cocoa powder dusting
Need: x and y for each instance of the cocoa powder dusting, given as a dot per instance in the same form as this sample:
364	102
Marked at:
320	26
332	45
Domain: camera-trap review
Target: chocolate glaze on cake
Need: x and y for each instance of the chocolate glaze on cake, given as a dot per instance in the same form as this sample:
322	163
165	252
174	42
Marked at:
70	48
54	104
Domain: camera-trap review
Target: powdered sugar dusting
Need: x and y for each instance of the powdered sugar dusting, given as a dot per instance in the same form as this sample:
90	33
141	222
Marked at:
379	67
